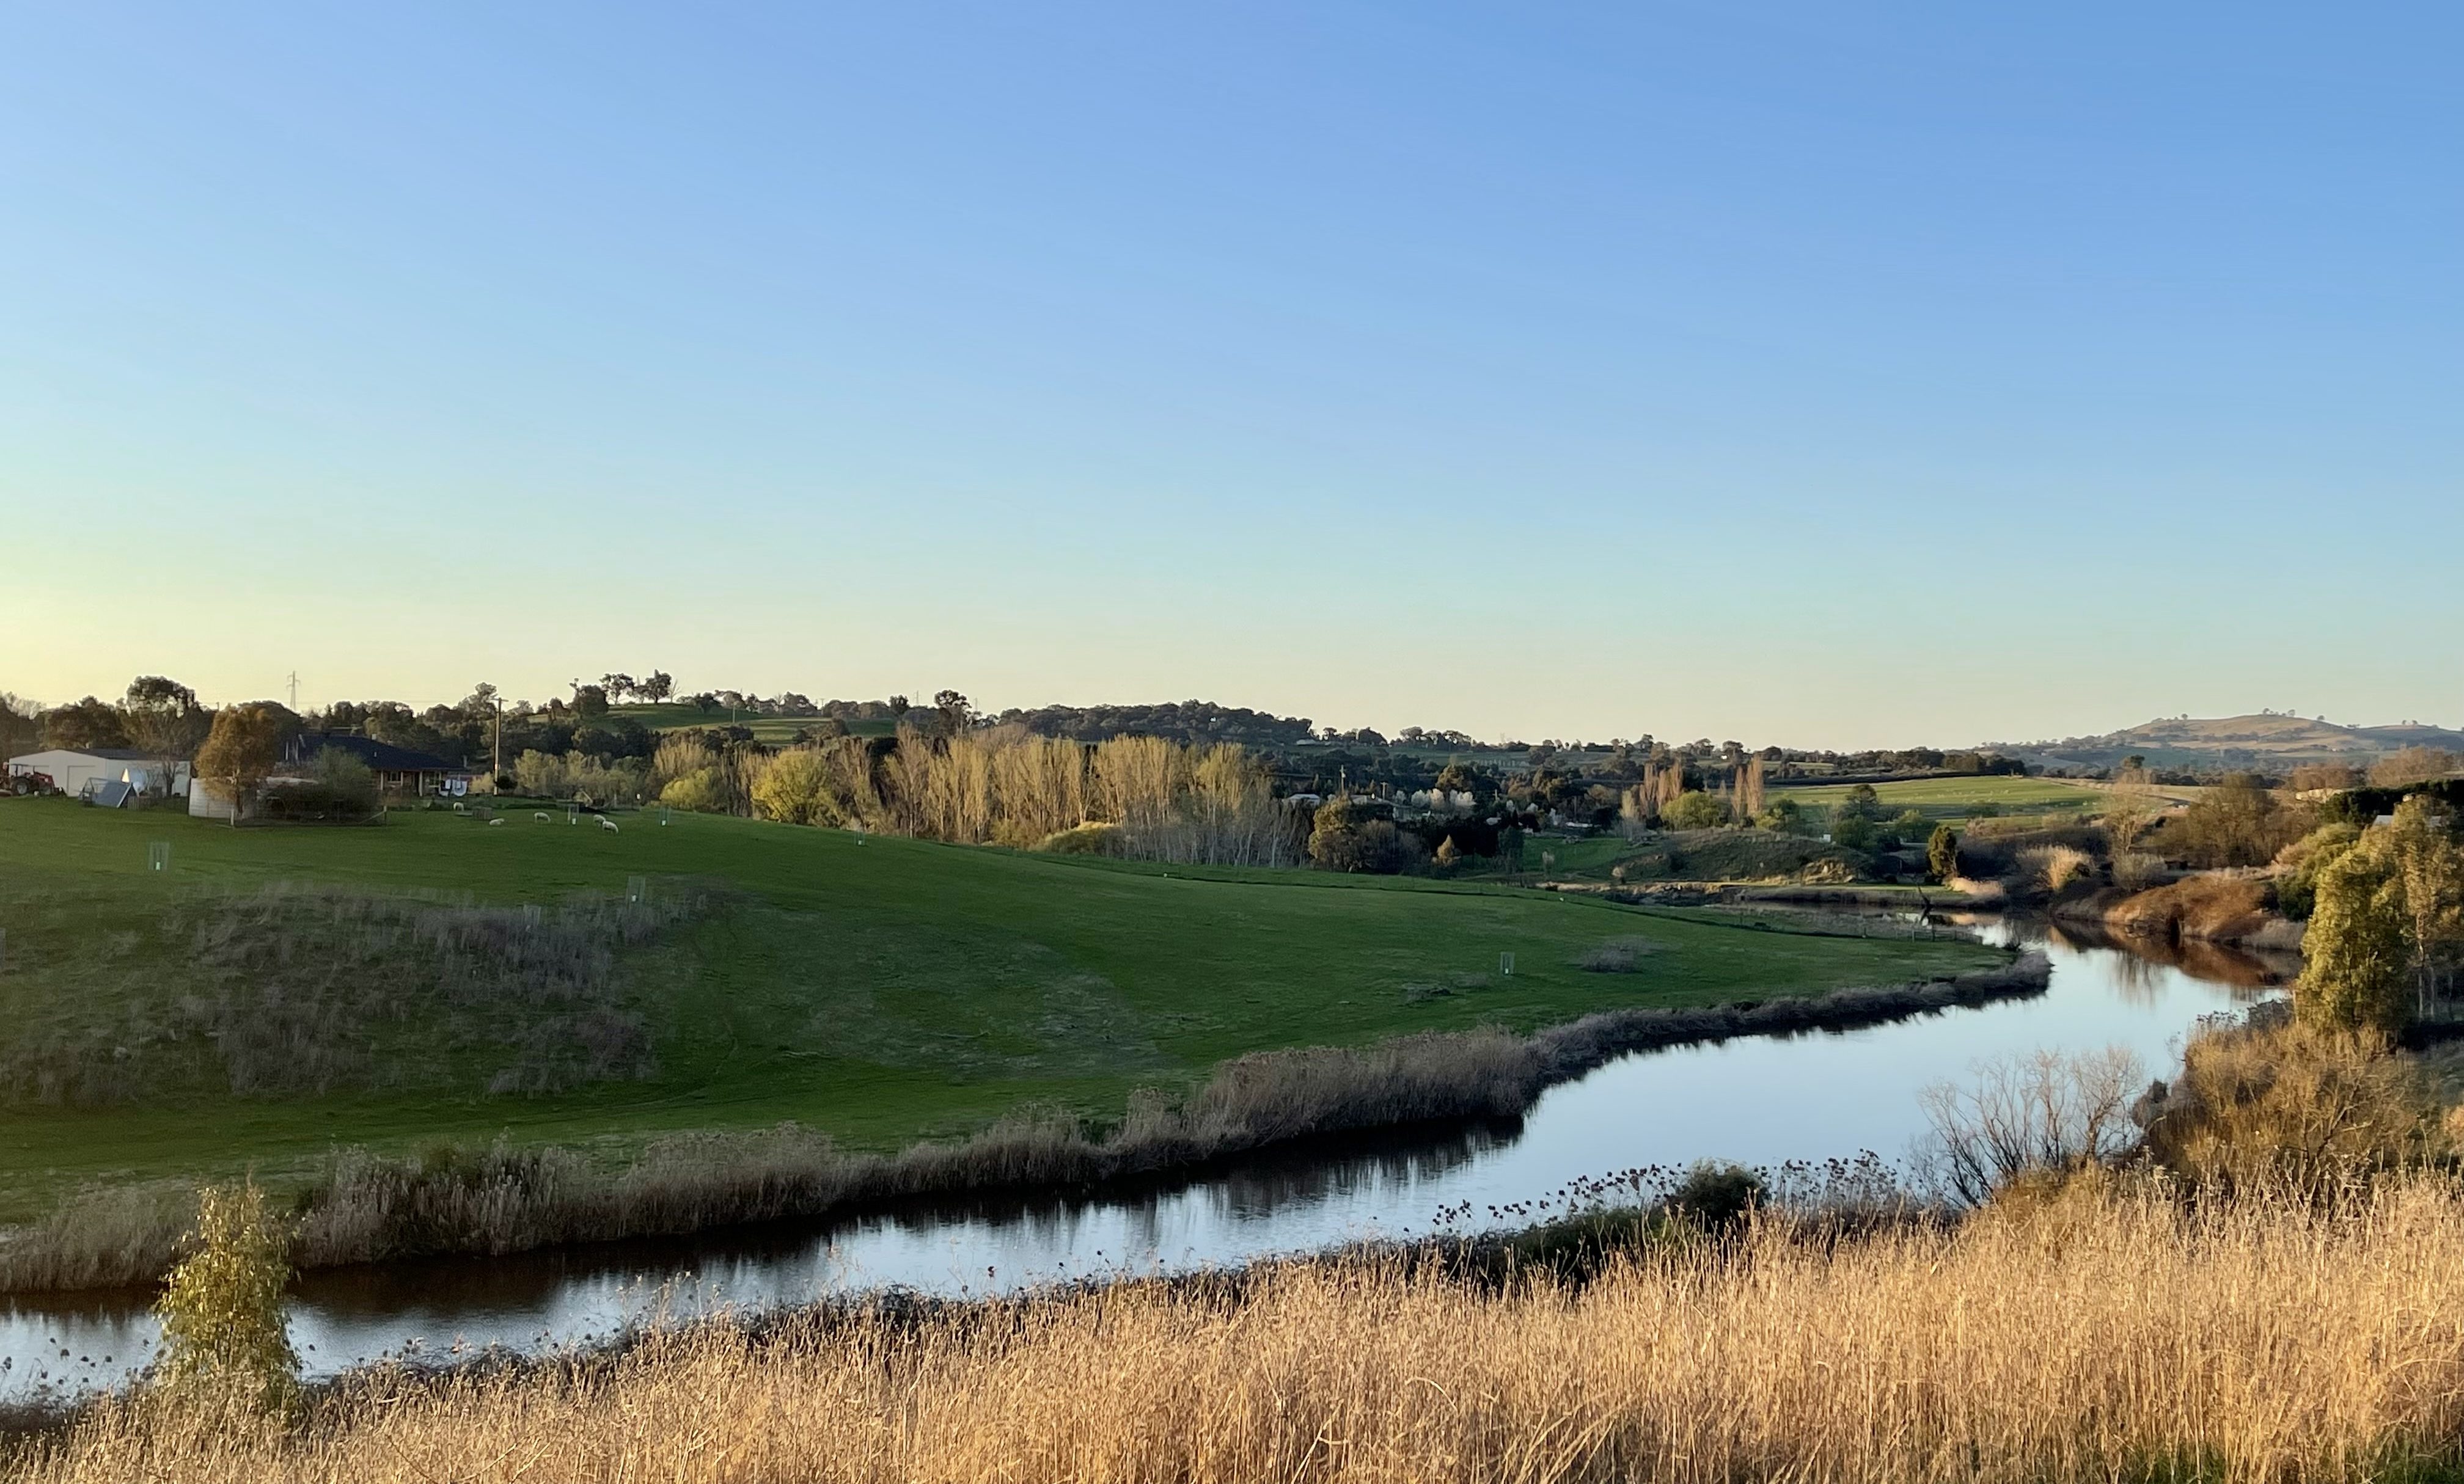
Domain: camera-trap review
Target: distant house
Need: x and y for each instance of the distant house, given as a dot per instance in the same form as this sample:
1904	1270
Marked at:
398	769
73	770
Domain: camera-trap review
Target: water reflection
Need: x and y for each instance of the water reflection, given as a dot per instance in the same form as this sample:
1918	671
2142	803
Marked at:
1761	1101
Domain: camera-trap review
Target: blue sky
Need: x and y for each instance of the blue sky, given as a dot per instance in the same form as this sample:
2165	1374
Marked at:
1834	375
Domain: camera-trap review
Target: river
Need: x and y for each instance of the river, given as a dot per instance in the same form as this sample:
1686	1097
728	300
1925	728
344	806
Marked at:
1763	1100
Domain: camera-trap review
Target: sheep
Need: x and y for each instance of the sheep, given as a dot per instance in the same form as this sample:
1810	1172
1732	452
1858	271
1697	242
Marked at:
541	815
607	825
495	821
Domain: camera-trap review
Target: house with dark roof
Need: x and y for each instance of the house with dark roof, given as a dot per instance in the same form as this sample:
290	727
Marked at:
398	769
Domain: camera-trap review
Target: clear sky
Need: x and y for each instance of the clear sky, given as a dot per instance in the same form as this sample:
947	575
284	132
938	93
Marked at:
1825	373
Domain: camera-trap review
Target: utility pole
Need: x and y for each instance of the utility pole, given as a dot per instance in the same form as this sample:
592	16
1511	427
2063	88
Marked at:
497	770
294	692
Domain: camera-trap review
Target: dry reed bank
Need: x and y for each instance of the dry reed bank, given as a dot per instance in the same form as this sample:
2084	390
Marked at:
2110	1332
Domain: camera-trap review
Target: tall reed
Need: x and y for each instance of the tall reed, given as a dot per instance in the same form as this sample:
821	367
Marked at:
2111	1333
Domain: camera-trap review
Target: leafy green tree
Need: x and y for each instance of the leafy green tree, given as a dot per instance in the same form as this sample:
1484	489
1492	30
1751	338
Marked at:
1941	852
1346	837
2296	890
1695	810
19	724
952	714
1855	830
590	702
84	723
2431	870
1785	814
161	718
2359	959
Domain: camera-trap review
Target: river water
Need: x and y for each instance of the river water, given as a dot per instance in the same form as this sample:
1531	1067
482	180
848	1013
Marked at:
1762	1101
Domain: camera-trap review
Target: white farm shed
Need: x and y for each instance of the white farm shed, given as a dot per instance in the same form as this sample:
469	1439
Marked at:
72	769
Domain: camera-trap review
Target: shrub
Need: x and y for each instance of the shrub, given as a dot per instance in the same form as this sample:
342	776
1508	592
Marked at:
1941	852
2268	1100
2137	871
1344	837
1716	1194
1784	816
795	788
698	791
221	1309
1098	839
1618	955
2296	890
1695	810
345	778
2054	867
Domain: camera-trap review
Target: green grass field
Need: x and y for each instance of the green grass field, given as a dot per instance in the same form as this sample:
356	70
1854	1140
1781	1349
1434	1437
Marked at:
1956	797
770	730
881	989
1721	855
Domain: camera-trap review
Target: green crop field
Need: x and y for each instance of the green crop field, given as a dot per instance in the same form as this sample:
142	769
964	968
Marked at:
1955	798
881	989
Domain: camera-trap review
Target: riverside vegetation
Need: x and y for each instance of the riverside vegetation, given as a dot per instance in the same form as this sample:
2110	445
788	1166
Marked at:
281	994
2256	1291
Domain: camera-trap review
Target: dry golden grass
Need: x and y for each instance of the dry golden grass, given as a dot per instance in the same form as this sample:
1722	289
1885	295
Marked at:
2098	1332
2220	908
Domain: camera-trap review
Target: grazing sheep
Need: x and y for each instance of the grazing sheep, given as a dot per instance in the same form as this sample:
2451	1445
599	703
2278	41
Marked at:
495	821
607	825
541	815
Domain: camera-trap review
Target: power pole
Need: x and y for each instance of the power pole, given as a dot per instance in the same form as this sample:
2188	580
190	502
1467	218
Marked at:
497	769
294	692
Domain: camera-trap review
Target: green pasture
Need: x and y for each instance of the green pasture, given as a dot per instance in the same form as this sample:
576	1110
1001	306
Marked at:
1718	855
771	730
883	989
1954	798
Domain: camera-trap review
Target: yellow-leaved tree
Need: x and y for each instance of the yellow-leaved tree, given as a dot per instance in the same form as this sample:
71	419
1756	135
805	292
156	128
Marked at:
240	751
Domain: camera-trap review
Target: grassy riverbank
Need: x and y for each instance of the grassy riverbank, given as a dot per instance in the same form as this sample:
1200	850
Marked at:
2111	1333
370	1208
880	991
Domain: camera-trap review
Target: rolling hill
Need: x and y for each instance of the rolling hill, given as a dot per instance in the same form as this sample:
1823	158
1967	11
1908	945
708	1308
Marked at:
2267	739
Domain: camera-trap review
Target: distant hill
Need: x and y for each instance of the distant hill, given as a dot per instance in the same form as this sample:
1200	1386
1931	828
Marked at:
2264	740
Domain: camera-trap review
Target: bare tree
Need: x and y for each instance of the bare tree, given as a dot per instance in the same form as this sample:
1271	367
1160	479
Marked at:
2046	1111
